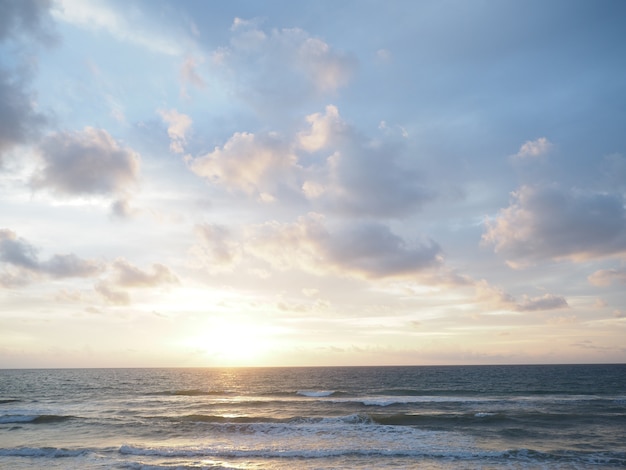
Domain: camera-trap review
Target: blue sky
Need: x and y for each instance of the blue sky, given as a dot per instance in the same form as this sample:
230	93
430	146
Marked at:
312	183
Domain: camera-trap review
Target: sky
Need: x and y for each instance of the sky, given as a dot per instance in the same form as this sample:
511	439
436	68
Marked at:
274	183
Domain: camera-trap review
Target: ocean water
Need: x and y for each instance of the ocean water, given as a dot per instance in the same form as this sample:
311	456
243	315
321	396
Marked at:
490	417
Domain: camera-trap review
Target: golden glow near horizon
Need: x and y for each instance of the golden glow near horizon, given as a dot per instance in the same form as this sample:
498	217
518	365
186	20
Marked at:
211	183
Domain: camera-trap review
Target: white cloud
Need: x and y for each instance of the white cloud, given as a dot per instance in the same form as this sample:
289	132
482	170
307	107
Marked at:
324	128
178	127
255	164
553	222
534	148
96	14
347	174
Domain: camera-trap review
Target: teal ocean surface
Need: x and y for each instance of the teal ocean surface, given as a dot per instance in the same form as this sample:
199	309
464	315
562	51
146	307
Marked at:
490	417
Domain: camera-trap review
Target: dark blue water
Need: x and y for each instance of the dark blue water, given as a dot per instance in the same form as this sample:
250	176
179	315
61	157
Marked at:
567	416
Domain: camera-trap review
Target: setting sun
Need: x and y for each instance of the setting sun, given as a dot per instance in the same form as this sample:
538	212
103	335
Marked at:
232	343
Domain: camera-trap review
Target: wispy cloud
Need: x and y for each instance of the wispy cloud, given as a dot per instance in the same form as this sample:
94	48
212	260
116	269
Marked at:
99	14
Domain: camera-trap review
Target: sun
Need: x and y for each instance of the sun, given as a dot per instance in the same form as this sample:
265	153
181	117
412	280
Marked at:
233	343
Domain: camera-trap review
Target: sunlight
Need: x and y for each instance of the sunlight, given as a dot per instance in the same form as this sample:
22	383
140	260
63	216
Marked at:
233	342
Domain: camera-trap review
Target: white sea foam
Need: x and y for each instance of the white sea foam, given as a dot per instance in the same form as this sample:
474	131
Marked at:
315	393
6	419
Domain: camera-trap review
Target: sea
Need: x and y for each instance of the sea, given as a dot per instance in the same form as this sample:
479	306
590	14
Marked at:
426	417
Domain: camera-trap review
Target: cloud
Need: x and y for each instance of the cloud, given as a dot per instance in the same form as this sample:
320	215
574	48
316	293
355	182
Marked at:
254	164
363	249
127	276
347	173
281	67
88	162
534	148
24	266
218	248
189	74
498	299
324	130
19	119
361	177
17	251
126	26
21	17
606	277
178	126
550	222
70	265
112	295
544	302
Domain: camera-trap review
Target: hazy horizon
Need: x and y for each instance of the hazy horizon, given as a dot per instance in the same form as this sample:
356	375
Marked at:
314	183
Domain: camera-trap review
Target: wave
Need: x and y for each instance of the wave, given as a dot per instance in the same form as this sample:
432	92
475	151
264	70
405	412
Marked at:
532	422
293	420
33	419
316	393
228	419
212	466
402	419
526	456
9	400
43	452
189	393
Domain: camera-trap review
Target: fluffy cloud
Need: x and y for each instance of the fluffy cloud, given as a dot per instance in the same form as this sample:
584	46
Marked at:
88	162
22	264
281	67
178	126
348	173
606	277
534	148
324	130
255	164
361	177
553	222
368	250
